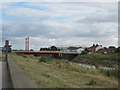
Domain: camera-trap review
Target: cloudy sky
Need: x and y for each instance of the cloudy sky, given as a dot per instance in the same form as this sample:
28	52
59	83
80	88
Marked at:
59	23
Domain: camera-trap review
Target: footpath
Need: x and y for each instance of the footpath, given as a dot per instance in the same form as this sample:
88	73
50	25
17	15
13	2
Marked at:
18	77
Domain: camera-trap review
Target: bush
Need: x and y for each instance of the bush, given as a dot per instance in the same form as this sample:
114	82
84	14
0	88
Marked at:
113	73
22	55
97	59
84	52
45	58
109	73
92	82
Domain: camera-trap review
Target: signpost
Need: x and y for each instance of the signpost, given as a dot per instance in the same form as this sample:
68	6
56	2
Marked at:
6	48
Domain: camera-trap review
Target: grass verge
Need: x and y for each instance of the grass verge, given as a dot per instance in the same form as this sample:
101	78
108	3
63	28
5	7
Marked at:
2	57
107	60
53	73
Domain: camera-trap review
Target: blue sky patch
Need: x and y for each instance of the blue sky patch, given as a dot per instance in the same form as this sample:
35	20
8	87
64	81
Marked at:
24	5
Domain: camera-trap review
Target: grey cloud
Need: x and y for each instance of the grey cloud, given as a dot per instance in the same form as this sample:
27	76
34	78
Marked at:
38	29
94	28
22	29
101	17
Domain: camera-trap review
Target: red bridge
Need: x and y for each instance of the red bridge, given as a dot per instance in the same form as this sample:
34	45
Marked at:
46	52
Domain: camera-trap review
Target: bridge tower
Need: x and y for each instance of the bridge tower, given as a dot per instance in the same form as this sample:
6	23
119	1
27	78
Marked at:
27	44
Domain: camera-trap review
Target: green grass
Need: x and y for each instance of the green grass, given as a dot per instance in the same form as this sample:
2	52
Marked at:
108	60
2	57
54	73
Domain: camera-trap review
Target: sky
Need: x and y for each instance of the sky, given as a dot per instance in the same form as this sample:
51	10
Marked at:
59	23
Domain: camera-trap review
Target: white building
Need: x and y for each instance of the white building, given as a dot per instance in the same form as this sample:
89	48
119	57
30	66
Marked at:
80	50
98	47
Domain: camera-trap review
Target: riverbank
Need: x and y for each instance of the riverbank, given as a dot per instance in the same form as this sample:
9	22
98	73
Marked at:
93	66
49	72
98	60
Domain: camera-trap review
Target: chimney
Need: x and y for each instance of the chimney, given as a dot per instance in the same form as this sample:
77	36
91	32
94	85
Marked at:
93	45
97	45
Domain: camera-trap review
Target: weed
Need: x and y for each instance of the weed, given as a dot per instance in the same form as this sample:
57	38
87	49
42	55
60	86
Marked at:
97	59
92	82
62	73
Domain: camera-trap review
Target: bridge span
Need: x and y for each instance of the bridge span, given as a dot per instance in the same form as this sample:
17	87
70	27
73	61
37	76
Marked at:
57	54
46	52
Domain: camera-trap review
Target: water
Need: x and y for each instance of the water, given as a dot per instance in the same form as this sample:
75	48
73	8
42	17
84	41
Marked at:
92	66
86	65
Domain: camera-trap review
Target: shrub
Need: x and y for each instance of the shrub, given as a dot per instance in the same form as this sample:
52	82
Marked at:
42	59
109	73
92	82
99	59
45	58
22	55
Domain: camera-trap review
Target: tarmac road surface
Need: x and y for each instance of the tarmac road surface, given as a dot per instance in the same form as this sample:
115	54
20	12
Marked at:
5	81
0	75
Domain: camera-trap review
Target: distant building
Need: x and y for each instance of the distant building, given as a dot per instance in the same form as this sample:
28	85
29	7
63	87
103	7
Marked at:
77	50
94	48
80	50
103	51
64	49
71	49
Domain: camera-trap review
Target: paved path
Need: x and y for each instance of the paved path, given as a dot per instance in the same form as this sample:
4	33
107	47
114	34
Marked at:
19	78
5	81
0	72
0	54
0	75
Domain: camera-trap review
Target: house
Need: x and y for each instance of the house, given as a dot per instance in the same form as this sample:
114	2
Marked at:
94	48
71	49
80	50
63	49
103	51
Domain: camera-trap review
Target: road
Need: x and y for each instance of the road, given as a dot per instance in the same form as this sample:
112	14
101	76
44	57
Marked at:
0	72
0	75
5	81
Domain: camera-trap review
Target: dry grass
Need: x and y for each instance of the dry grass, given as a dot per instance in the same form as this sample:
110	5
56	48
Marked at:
49	75
2	57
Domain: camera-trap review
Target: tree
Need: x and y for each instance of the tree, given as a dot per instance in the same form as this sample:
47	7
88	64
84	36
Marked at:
112	47
21	50
73	48
53	48
14	50
44	49
84	52
86	49
118	49
31	50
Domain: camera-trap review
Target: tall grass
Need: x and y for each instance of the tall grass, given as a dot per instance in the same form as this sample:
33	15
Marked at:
65	64
109	60
71	66
113	57
50	72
